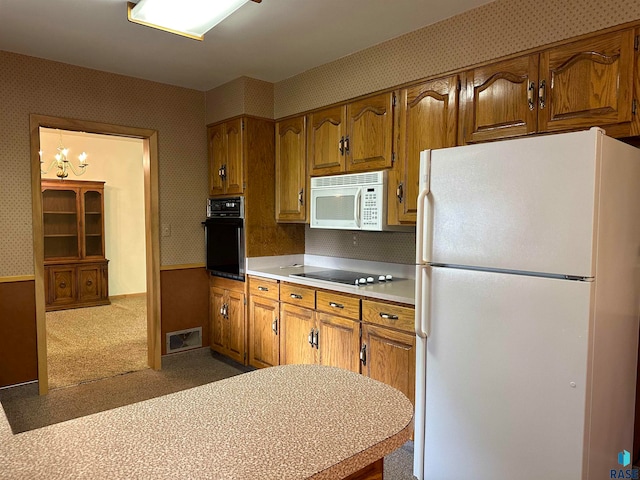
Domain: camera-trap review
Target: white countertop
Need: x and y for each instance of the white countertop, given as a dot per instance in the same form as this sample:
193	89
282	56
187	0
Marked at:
400	290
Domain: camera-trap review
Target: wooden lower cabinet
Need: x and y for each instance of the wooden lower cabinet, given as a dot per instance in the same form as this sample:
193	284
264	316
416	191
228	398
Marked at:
73	285
338	340
264	339
389	356
297	335
227	319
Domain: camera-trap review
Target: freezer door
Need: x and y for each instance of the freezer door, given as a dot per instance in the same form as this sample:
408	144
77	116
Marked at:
506	373
525	204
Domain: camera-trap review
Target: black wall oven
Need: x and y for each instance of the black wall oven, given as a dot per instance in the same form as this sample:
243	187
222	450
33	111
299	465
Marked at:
224	237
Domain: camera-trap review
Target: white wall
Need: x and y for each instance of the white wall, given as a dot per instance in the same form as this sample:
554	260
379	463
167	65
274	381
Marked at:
118	162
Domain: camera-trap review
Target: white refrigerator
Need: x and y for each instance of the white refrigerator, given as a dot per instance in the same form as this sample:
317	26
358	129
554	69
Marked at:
527	296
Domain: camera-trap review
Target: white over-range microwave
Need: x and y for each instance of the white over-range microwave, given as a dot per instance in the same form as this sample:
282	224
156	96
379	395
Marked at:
356	201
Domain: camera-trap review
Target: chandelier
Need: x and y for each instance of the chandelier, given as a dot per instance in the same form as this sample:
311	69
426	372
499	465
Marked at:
62	162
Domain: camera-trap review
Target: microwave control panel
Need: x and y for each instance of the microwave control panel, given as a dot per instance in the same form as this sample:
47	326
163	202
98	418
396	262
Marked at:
372	207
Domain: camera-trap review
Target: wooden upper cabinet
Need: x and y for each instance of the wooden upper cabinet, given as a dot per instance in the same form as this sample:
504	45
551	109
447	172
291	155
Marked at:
217	158
291	191
368	144
500	100
325	141
353	137
427	119
226	174
587	83
234	171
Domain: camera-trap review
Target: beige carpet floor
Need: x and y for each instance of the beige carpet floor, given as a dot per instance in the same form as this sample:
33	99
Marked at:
87	344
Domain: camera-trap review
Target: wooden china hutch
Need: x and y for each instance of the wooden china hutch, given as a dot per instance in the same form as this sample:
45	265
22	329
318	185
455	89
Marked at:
74	253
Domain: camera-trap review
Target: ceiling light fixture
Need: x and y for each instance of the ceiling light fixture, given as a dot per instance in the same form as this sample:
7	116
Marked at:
189	18
62	162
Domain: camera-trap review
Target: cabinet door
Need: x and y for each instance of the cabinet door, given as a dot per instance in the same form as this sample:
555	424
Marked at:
296	326
62	285
290	170
587	83
390	357
89	283
369	143
325	141
217	158
234	168
501	100
427	119
338	342
236	326
93	206
264	341
218	332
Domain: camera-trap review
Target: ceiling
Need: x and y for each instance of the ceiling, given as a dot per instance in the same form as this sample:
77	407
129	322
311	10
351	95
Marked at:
270	41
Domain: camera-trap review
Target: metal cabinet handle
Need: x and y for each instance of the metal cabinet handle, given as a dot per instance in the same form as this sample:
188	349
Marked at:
341	145
542	94
336	305
296	296
274	325
346	145
363	354
263	289
310	338
89	283
301	196
315	338
399	192
388	316
62	285
222	171
530	90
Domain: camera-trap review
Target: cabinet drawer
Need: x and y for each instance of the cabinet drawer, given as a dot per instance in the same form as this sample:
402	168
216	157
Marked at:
264	287
298	295
337	304
394	316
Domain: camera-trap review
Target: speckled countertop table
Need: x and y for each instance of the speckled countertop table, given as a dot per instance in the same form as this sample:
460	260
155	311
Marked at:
287	422
401	290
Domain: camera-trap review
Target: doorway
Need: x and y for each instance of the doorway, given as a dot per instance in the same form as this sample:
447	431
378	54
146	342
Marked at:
150	169
94	245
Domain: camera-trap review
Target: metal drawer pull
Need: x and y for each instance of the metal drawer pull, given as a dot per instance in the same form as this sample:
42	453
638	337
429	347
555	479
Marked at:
62	285
296	296
363	354
336	305
274	326
315	338
263	289
89	282
310	338
389	316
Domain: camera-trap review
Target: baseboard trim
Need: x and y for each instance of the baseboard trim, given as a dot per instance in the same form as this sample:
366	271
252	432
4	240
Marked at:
127	295
18	385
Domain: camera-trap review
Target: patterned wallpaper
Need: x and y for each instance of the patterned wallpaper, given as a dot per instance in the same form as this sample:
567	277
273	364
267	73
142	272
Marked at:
391	247
493	30
242	96
31	85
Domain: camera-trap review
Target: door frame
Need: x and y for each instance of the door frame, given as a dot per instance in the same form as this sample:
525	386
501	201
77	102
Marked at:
152	236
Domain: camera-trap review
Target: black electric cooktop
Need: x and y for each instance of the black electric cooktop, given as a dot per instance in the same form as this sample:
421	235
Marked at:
348	278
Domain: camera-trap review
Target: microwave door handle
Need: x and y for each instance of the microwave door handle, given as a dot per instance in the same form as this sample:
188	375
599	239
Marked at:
358	207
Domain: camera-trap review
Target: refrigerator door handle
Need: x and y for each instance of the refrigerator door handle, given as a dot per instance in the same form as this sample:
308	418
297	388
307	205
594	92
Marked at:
425	189
423	289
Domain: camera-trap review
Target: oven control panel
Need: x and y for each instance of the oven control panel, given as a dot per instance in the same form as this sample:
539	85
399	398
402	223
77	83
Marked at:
225	207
